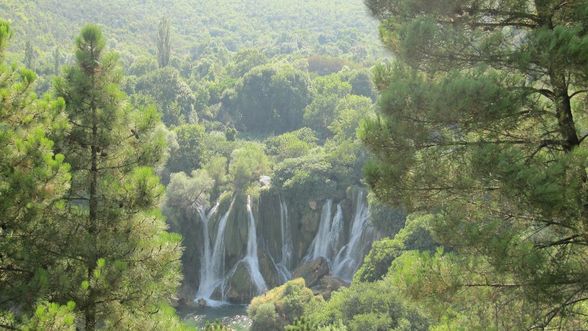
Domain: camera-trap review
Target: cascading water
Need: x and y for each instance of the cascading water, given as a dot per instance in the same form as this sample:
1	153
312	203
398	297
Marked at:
335	233
349	257
283	267
320	243
251	258
343	252
211	268
325	243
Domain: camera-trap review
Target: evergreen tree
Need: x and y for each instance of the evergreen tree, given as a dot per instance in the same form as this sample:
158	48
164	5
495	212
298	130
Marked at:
33	181
30	55
163	43
57	60
120	263
482	124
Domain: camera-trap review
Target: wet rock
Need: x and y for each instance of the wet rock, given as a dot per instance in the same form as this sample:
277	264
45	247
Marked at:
312	271
310	220
329	284
265	181
185	295
201	303
240	287
268	270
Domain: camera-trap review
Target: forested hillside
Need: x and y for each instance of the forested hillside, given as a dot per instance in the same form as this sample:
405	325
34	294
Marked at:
333	27
293	165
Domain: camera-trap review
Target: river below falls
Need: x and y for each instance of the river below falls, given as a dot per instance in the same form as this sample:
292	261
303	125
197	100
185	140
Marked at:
233	316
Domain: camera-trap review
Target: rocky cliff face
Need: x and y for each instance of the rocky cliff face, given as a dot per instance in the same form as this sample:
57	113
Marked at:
277	255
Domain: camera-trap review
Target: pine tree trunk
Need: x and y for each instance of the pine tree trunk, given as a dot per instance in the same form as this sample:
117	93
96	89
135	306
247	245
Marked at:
90	312
90	304
563	106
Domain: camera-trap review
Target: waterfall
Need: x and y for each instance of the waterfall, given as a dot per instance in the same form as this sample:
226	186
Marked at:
251	258
335	233
283	267
320	243
212	263
349	257
325	243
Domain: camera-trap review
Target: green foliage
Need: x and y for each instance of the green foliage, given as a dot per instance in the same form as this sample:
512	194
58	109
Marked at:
189	143
269	99
246	66
127	264
215	326
324	65
285	28
33	181
350	111
281	306
51	316
29	56
291	145
361	83
414	236
185	192
265	318
248	163
386	219
369	306
245	60
173	95
303	324
326	91
163	317
217	168
481	127
163	43
5	34
308	176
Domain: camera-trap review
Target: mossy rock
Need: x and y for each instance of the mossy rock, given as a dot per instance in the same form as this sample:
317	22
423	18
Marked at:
240	287
312	271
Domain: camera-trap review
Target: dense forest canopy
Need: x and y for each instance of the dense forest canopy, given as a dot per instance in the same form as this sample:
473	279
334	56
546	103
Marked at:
333	27
334	165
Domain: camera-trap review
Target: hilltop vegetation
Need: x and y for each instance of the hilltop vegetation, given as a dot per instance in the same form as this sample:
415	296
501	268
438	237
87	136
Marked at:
332	27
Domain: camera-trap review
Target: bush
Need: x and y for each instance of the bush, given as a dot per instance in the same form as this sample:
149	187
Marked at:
292	144
414	236
269	99
248	163
282	305
369	306
265	318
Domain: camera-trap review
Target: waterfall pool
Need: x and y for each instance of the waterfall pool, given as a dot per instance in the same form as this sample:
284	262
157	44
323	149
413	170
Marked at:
234	316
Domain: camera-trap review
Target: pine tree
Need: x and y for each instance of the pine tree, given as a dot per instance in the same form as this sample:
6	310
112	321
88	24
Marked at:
482	124
163	43
30	55
121	263
57	60
33	181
